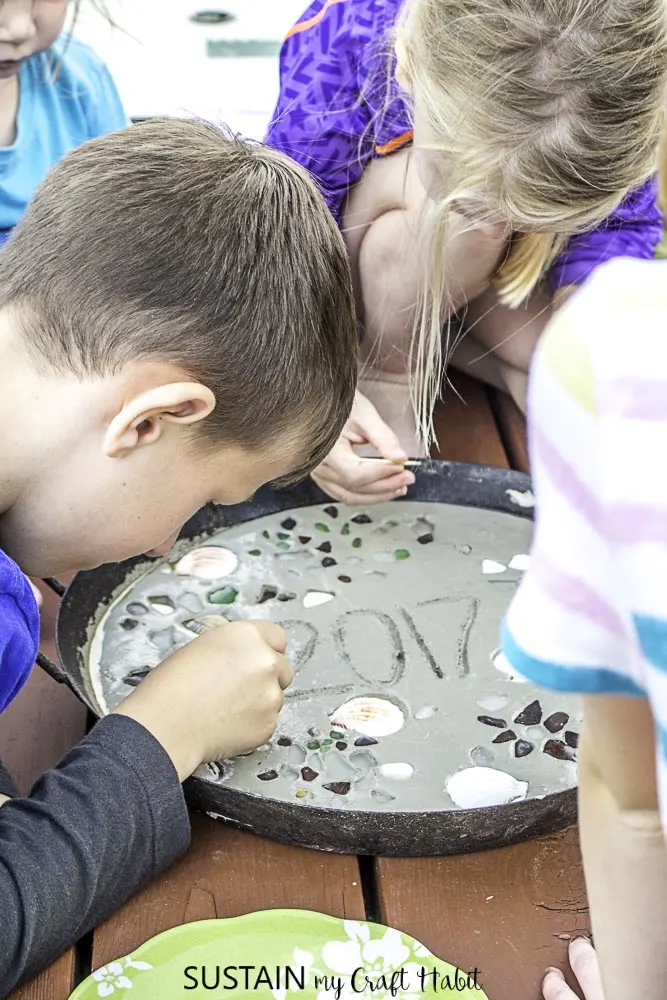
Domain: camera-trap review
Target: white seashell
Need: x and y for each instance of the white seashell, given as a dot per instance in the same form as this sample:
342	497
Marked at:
425	712
211	562
399	771
520	562
315	597
490	566
526	499
501	663
369	716
476	787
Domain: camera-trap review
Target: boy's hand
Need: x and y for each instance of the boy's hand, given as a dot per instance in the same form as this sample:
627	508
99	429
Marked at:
347	477
585	966
217	697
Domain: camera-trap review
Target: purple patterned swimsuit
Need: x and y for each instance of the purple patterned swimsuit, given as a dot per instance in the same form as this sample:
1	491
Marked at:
340	107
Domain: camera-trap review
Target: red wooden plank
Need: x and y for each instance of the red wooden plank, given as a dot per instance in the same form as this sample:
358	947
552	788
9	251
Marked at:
512	426
225	873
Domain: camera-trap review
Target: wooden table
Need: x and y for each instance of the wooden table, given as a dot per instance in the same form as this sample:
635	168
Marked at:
509	912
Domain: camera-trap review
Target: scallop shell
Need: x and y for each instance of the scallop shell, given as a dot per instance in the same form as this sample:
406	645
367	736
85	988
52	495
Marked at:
475	787
369	716
211	562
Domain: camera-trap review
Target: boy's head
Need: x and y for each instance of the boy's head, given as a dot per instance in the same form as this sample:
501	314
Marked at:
176	327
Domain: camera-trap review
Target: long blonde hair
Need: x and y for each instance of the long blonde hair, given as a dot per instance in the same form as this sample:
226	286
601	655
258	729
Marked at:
545	114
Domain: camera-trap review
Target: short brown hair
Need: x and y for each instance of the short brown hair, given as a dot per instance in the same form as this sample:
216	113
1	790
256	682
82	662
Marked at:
174	240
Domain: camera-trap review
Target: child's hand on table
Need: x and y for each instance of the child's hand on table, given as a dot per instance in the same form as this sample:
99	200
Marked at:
585	966
217	697
346	476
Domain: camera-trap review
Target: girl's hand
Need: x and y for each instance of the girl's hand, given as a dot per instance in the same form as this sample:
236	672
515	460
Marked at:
348	477
584	963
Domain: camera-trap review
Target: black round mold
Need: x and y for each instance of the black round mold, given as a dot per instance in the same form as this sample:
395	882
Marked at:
406	834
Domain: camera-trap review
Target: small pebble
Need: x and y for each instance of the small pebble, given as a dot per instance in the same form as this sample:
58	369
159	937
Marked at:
284	741
365	741
505	737
559	750
340	745
329	561
361	519
331	511
556	721
267	775
572	739
304	539
345	579
488	720
339	787
308	774
324	547
531	715
425	539
522	748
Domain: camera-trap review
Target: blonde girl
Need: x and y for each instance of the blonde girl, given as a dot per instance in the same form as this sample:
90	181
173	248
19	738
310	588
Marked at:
482	158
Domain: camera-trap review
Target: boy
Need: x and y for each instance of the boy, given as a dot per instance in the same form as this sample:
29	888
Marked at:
171	312
591	612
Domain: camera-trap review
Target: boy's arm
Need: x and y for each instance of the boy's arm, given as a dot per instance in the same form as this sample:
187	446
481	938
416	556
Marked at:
95	829
623	845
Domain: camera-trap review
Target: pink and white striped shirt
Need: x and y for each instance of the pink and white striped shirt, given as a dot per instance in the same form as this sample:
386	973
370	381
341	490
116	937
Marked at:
590	615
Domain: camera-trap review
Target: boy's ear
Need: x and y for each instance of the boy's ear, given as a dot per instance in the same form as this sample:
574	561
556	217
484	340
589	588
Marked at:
142	419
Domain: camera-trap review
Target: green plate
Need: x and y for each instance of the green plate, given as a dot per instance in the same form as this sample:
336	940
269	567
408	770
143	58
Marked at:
288	954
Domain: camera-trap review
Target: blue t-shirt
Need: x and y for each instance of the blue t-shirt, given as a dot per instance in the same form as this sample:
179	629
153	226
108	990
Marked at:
19	630
66	96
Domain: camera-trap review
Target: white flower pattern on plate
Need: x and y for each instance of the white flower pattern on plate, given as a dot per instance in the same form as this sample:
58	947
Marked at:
112	977
378	957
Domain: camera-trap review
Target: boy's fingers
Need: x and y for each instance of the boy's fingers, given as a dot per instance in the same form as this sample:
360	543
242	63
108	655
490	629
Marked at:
272	634
285	672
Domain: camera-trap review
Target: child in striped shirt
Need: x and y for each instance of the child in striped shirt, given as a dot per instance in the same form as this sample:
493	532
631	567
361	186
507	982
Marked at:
590	615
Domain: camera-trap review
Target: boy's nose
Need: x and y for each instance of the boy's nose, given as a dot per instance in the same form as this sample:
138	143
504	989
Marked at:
16	22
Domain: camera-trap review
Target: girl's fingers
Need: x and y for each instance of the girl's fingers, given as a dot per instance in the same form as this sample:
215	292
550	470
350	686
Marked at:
584	963
338	492
586	968
554	986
